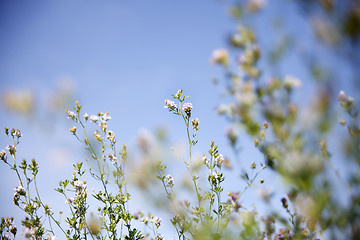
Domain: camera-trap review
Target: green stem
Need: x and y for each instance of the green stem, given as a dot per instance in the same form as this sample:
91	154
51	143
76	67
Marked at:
57	223
186	120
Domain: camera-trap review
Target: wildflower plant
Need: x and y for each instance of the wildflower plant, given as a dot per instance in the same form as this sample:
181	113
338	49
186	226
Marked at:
211	214
114	210
263	109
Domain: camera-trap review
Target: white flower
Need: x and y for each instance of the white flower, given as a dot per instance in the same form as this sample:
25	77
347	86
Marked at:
291	81
94	118
156	221
28	233
71	114
3	155
112	158
103	125
169	104
187	108
219	160
79	185
97	136
205	159
213	177
10	148
110	135
19	190
106	117
145	220
344	99
169	180
73	129
86	116
49	237
220	56
159	237
195	124
18	133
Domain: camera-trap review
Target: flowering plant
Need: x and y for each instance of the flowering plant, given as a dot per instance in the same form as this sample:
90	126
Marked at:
294	142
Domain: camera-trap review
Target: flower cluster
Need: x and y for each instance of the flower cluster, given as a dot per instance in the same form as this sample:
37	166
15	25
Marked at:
112	158
3	155
170	105
169	180
187	108
79	186
7	228
195	124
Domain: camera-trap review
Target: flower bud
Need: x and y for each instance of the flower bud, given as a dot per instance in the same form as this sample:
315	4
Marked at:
73	129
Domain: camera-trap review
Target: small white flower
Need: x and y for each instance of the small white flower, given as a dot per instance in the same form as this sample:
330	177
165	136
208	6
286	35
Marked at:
73	129
220	56
94	118
28	233
178	94
3	155
291	81
97	136
187	108
205	159
145	220
103	125
49	237
110	135
79	185
71	114
12	228
219	160
18	133
19	190
112	158
9	148
159	237
106	117
169	180
213	177
169	104
344	99
86	116
156	221
195	124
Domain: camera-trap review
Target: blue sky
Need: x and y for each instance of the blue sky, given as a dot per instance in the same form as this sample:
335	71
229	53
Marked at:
124	57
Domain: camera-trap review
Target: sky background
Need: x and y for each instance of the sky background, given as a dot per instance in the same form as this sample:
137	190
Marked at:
125	58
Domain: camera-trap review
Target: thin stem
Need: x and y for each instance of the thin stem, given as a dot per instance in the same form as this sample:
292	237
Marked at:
186	120
37	193
252	180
